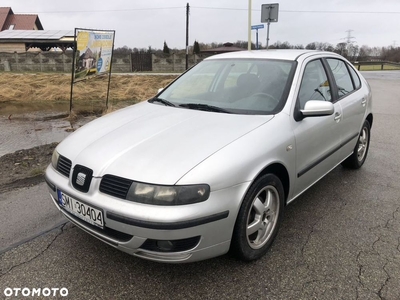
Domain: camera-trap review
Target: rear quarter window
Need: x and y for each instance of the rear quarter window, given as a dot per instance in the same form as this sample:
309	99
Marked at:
356	79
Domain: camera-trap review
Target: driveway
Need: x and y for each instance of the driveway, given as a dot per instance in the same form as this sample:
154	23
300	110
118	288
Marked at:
339	240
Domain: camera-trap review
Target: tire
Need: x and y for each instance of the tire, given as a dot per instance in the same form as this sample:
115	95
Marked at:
259	218
359	155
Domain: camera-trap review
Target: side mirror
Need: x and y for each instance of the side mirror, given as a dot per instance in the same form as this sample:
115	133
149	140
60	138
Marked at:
315	108
160	90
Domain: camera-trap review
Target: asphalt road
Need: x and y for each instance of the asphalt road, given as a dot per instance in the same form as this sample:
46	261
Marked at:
339	240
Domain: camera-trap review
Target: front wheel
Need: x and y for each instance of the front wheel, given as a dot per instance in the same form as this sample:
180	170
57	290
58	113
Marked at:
359	155
259	218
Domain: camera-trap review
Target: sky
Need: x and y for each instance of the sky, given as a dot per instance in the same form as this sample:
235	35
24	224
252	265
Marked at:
143	23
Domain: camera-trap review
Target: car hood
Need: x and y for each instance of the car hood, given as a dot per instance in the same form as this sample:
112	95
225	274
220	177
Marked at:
154	143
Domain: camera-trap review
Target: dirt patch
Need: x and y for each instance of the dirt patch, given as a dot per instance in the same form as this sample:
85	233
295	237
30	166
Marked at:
24	167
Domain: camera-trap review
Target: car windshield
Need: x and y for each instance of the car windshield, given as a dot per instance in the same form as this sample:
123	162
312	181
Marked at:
241	86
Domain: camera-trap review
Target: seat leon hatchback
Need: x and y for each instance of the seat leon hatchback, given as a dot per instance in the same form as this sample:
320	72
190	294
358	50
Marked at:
209	164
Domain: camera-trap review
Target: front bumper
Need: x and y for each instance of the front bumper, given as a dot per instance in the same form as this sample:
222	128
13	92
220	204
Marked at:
204	230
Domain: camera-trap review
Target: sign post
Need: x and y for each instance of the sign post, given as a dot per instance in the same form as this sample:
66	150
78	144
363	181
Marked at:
269	13
256	27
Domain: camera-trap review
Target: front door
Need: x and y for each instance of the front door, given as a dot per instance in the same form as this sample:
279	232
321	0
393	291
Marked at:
318	139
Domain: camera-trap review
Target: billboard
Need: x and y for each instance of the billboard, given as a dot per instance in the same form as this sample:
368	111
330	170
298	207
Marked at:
94	50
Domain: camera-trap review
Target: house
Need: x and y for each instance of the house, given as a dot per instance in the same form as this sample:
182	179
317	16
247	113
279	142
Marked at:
11	21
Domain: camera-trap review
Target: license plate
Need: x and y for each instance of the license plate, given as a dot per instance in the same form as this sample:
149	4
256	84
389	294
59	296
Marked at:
81	210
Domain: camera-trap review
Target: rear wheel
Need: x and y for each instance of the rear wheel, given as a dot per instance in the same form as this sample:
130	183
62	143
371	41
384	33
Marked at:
259	218
359	155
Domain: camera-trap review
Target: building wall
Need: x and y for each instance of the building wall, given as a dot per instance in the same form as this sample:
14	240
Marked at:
12	47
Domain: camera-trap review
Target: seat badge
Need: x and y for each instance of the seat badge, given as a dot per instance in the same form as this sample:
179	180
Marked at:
80	178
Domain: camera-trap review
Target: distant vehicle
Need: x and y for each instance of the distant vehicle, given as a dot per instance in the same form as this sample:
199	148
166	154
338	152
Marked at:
209	164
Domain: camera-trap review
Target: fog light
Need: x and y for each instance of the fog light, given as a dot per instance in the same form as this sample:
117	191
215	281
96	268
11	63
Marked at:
165	245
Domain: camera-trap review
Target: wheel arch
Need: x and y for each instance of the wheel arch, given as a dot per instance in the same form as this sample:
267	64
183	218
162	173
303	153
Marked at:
281	172
370	119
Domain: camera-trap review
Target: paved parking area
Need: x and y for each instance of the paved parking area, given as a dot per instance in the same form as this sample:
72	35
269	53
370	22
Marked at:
339	240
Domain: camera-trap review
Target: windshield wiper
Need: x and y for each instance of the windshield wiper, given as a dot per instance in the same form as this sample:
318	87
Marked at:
163	101
204	107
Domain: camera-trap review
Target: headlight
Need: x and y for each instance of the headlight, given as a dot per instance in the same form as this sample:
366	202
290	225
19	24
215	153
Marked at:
54	159
168	195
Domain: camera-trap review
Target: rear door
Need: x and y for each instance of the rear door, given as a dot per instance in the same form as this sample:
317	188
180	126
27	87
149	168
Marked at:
352	100
318	139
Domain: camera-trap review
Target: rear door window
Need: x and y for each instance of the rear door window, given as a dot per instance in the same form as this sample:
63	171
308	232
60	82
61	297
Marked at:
342	76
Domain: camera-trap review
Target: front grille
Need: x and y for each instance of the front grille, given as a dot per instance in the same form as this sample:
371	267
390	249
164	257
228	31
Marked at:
175	245
115	186
64	165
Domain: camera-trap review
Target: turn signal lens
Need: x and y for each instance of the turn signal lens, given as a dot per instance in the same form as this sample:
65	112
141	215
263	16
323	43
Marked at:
54	159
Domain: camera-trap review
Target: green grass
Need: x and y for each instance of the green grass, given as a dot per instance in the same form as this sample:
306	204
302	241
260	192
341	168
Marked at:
377	67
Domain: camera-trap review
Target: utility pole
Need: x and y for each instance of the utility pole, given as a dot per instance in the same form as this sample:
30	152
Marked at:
249	29
187	36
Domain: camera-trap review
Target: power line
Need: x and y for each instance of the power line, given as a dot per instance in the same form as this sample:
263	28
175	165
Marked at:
211	8
101	10
304	11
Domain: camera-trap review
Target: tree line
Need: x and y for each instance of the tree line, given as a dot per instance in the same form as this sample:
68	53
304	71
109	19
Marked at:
351	51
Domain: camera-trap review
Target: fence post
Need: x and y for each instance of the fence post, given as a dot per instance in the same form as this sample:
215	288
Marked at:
63	60
16	61
382	66
358	67
173	62
41	61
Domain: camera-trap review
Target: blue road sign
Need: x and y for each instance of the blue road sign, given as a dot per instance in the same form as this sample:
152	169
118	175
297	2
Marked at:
257	27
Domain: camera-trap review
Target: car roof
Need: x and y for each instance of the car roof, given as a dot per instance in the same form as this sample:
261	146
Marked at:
285	54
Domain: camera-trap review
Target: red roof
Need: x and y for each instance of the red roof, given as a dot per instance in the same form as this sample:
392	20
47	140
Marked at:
20	22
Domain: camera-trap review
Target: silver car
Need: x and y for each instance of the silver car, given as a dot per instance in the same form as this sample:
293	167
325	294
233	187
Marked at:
209	164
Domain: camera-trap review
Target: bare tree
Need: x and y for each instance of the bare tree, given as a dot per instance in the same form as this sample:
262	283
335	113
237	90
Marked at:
341	48
311	46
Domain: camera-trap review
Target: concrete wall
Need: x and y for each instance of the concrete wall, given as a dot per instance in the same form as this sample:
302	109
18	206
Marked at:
62	62
51	62
121	63
36	62
173	62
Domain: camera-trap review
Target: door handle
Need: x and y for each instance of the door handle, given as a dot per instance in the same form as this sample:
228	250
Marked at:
337	117
363	101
